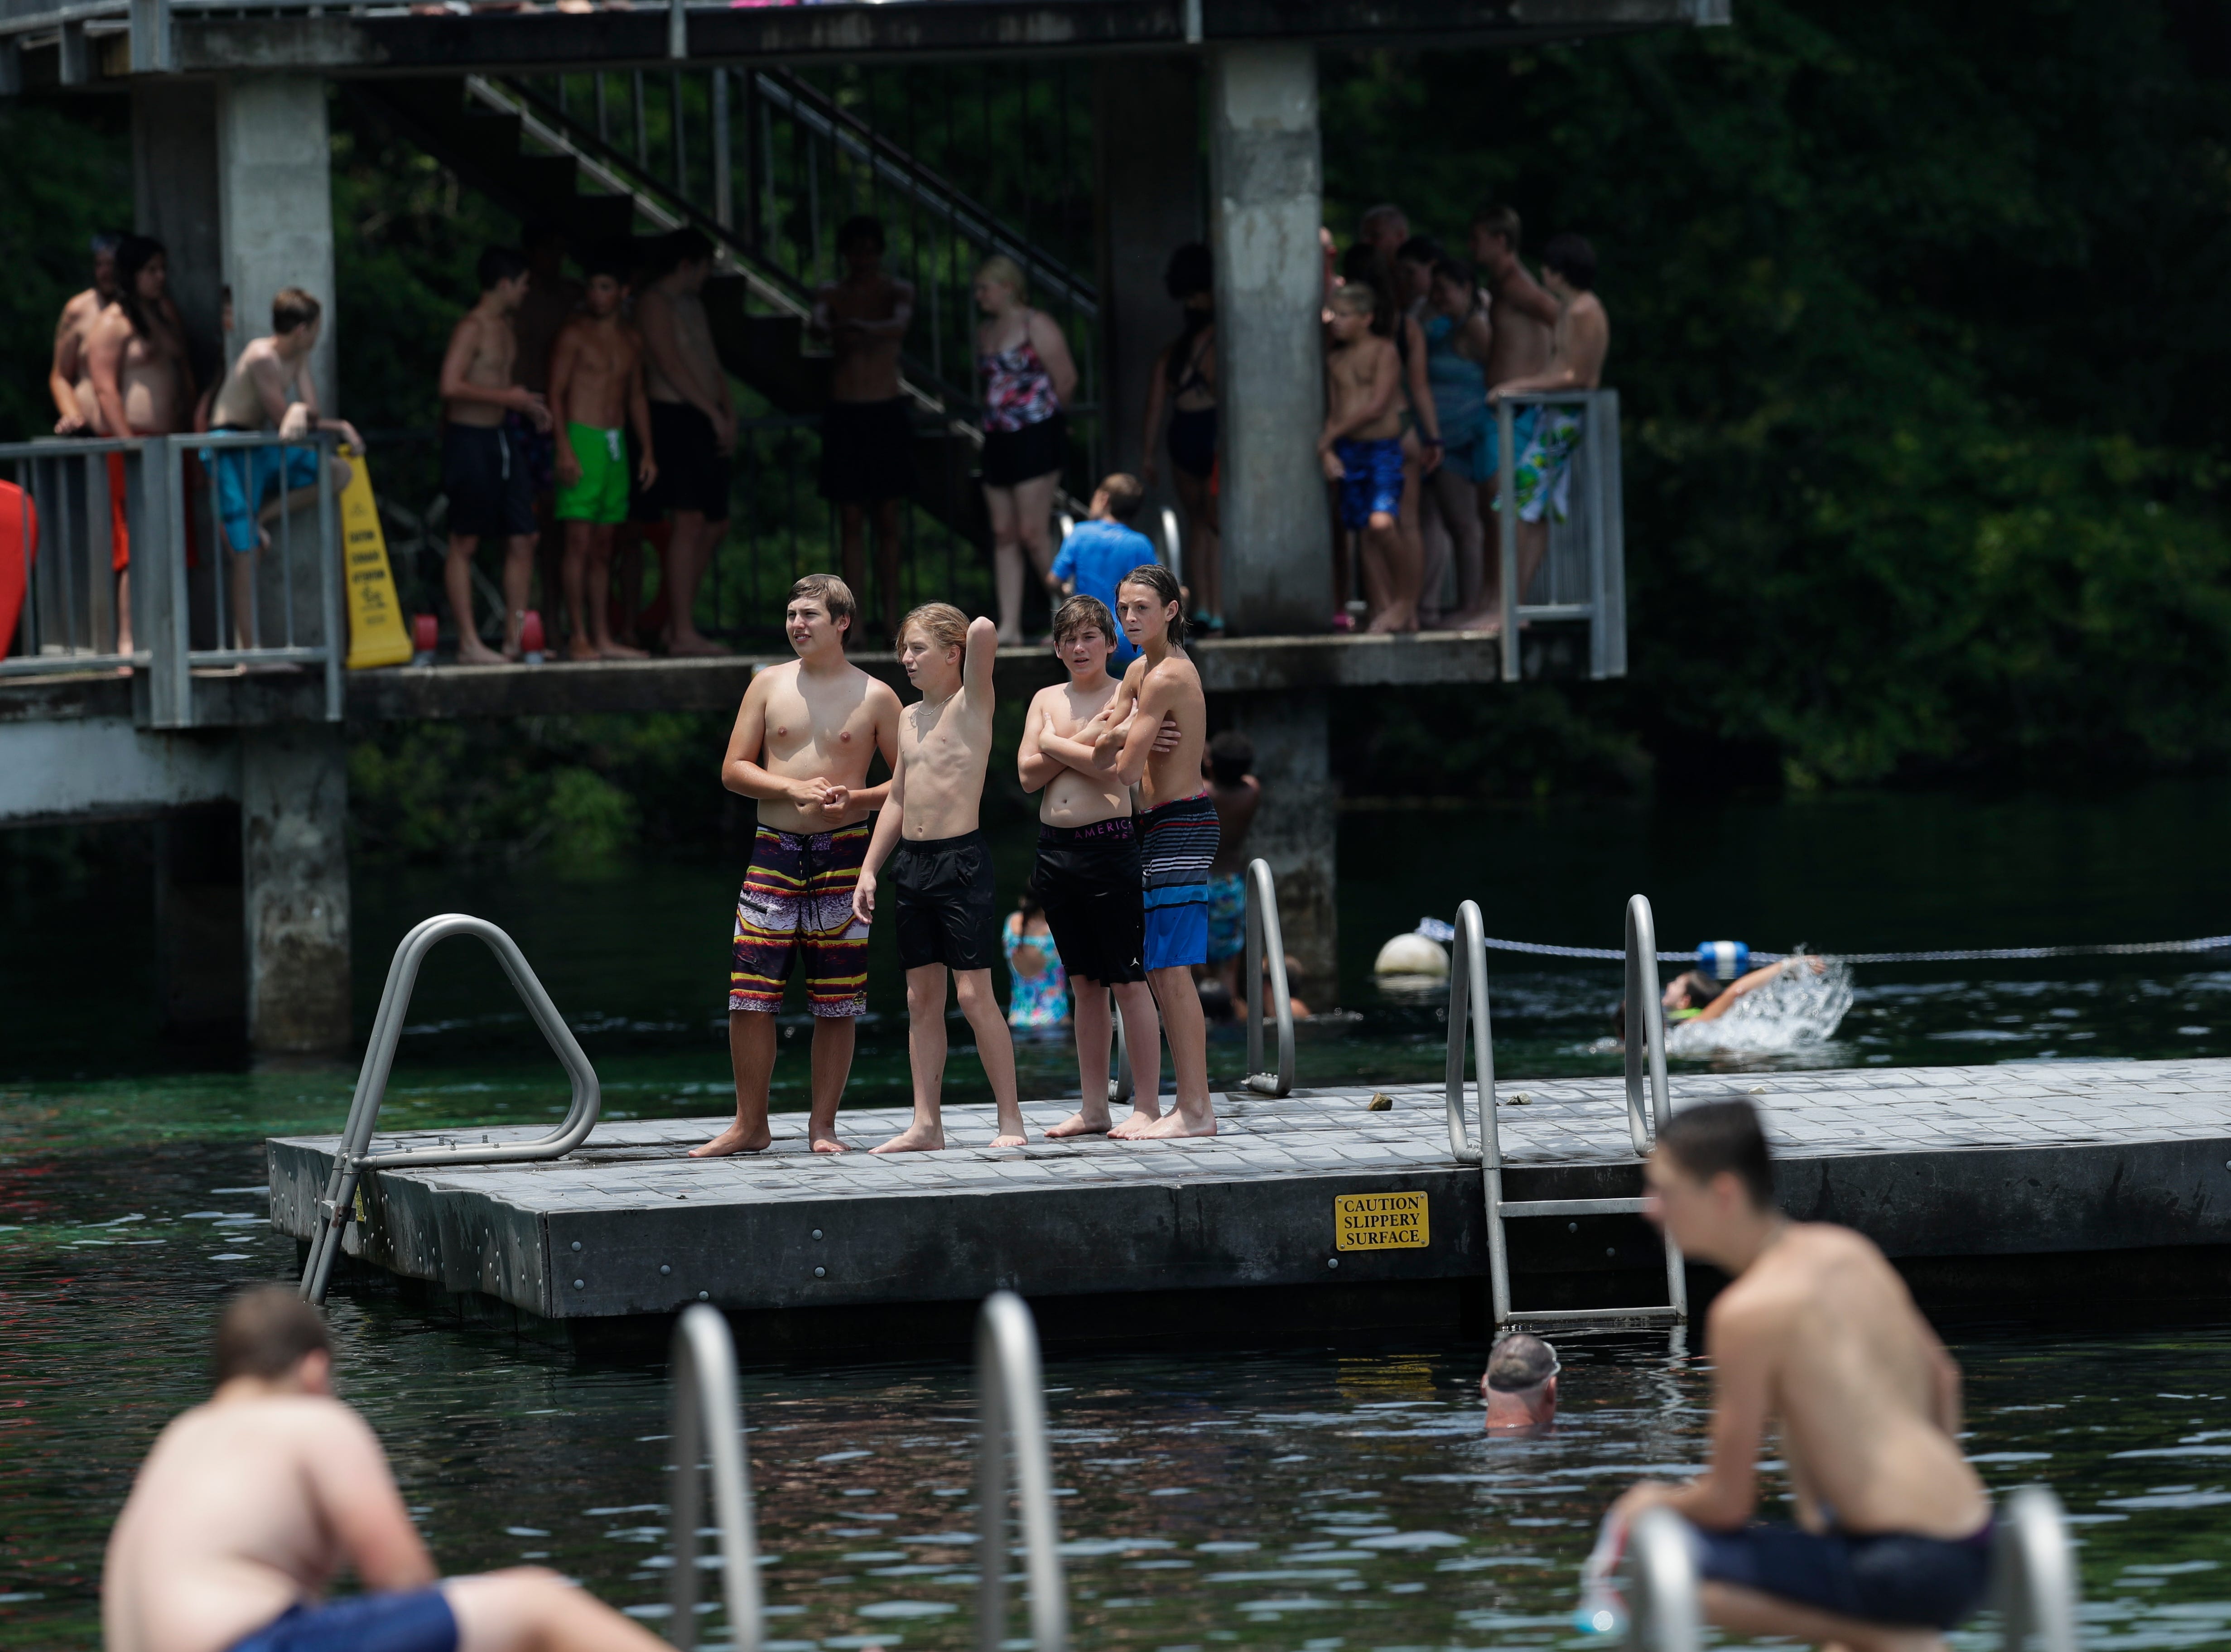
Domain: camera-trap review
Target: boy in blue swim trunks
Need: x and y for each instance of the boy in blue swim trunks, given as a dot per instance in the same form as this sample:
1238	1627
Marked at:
1818	1340
1360	448
249	1504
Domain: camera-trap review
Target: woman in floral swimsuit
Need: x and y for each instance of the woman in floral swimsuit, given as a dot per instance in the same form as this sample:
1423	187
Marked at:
1028	373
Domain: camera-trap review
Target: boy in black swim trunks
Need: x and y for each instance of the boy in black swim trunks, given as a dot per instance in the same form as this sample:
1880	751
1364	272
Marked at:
1818	1339
1088	875
941	868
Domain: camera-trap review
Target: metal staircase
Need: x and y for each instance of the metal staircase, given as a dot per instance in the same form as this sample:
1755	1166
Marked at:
764	163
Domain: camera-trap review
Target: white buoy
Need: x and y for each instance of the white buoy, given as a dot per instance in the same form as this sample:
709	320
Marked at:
1412	954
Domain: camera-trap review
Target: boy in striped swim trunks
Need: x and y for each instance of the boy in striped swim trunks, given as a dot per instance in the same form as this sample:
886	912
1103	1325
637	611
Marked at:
1179	832
802	744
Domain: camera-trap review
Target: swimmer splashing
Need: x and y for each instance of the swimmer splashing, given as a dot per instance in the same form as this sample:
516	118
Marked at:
1799	1001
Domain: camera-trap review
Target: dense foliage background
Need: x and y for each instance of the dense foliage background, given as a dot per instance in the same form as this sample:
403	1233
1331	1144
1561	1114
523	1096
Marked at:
1917	315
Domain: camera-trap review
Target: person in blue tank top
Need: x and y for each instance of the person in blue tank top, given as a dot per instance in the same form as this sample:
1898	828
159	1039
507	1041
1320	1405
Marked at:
1100	550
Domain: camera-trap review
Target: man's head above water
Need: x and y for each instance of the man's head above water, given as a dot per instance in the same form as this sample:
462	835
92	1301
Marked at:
1521	1383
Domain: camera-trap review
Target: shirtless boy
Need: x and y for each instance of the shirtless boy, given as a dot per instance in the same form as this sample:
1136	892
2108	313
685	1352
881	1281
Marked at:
1577	348
867	433
1360	448
248	1505
1817	1338
66	377
1178	830
596	390
269	389
490	483
941	867
803	740
143	384
696	425
1088	877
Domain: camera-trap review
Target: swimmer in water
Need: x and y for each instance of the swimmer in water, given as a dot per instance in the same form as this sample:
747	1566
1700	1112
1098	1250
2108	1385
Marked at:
1521	1385
1694	996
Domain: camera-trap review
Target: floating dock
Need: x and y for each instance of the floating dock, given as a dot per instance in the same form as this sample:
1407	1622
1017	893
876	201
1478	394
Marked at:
1987	1183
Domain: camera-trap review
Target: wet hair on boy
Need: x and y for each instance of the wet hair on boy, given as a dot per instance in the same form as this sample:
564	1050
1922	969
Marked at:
500	264
1572	257
1083	613
266	1332
1716	1136
1160	580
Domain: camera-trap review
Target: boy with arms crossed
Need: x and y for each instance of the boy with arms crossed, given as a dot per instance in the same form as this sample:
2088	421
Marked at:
596	386
1088	876
941	867
1178	832
803	740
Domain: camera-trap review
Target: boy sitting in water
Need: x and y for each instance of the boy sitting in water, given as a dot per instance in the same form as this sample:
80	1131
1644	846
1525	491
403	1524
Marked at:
249	1504
941	865
1818	1340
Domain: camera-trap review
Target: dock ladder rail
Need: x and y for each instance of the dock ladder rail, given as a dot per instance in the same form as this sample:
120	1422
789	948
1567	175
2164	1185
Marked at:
708	1431
2033	1579
1011	1411
353	1157
1263	930
1469	1023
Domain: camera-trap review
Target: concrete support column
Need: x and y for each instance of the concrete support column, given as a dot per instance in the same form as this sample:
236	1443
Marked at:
1146	119
174	199
1267	186
200	979
294	847
1298	827
275	206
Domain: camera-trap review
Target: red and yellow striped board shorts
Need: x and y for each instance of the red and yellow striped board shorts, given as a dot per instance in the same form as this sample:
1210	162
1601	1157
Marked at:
798	898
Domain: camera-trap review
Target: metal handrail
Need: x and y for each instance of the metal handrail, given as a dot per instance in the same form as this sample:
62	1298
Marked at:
2033	1573
1645	1029
1010	1409
1264	928
1662	1571
709	1424
1469	1021
354	1155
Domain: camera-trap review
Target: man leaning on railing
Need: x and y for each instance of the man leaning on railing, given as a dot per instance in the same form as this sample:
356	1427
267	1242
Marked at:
269	388
1543	466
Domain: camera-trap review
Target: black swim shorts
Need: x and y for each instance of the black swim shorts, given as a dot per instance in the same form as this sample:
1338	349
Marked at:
692	475
1891	1578
1088	881
867	451
1012	457
489	489
947	913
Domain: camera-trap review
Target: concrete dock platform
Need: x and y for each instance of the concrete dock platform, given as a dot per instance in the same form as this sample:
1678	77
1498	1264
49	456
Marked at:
2063	1171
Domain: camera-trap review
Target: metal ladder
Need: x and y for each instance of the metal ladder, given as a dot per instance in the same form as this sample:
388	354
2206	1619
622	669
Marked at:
2033	1579
353	1157
708	1431
1469	1022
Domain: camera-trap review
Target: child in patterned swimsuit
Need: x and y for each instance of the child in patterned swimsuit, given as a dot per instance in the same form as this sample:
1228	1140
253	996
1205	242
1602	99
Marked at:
1038	986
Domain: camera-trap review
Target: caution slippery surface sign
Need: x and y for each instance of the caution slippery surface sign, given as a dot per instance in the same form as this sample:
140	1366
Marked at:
377	635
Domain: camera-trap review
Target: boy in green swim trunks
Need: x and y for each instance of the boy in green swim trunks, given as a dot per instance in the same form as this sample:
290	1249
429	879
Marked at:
596	384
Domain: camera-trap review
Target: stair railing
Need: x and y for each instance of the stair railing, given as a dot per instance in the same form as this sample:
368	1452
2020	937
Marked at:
2033	1573
354	1155
1645	1029
708	1430
1264	931
1662	1572
1010	1412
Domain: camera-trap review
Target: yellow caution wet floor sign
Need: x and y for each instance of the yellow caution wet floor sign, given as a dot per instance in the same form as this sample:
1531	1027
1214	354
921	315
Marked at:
377	635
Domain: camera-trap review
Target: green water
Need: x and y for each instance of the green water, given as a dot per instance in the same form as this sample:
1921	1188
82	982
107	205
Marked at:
1311	1499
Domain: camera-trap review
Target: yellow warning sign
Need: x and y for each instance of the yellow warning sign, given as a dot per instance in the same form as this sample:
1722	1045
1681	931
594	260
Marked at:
1380	1222
377	635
